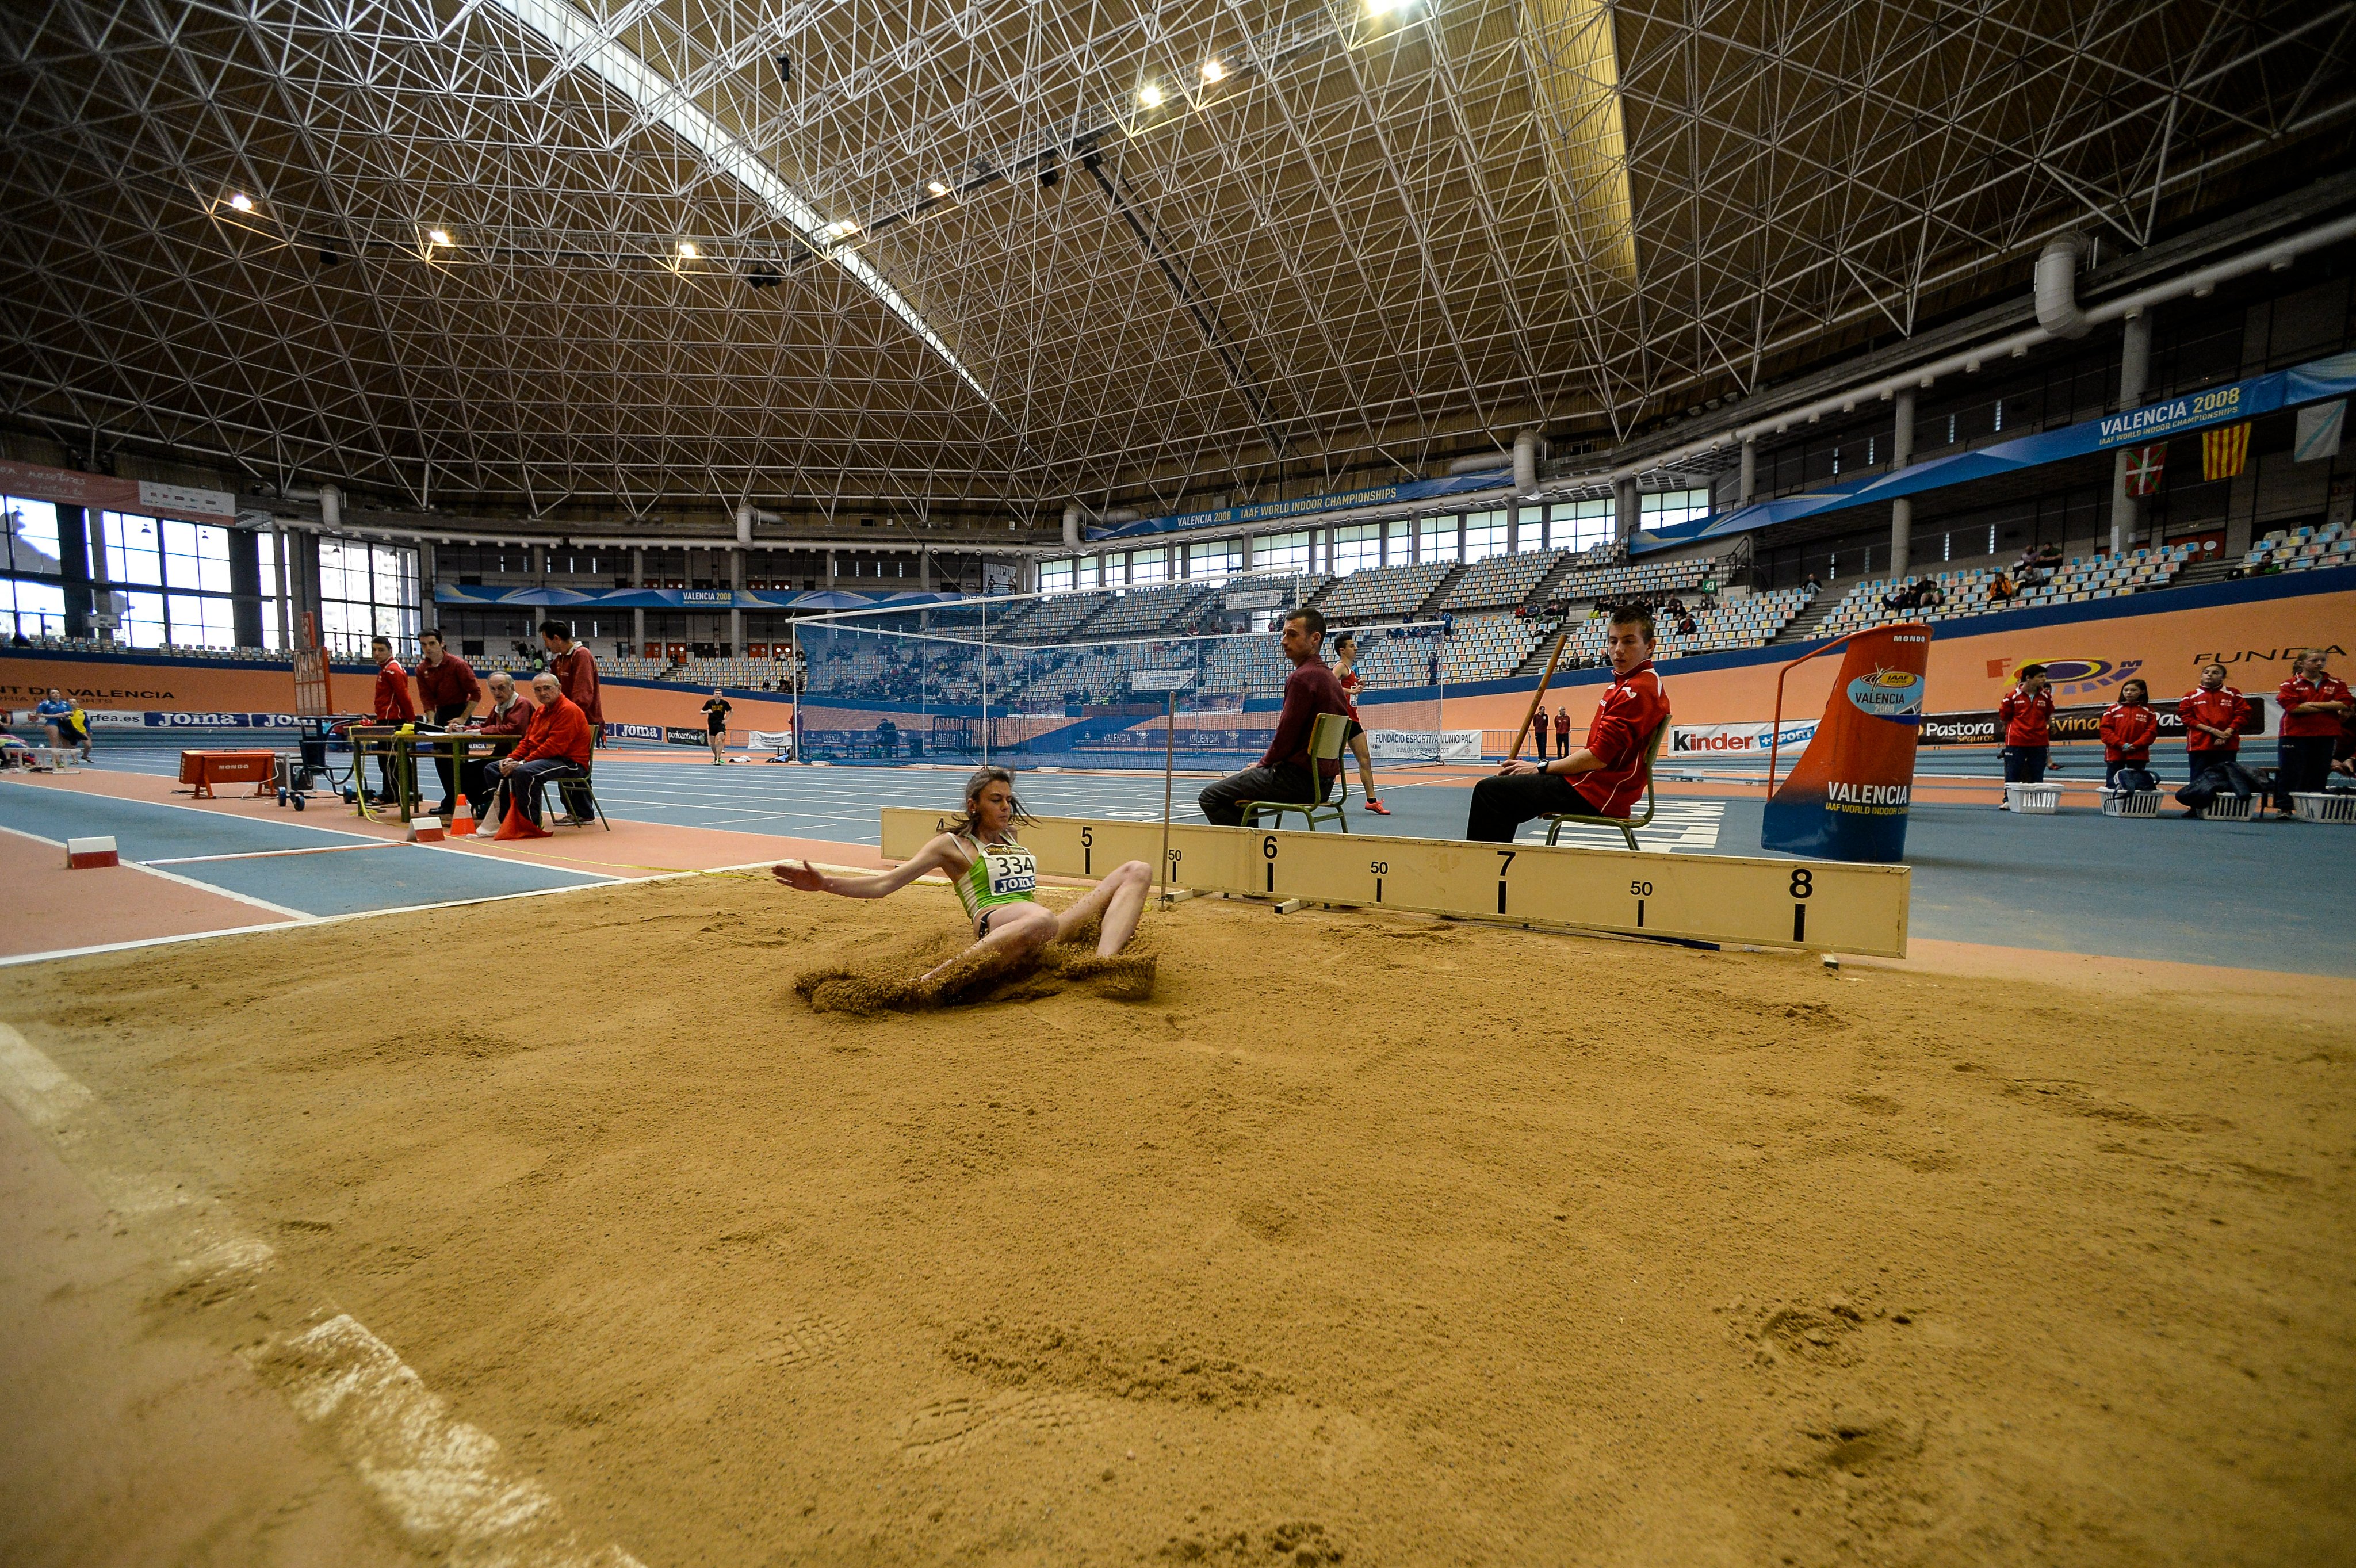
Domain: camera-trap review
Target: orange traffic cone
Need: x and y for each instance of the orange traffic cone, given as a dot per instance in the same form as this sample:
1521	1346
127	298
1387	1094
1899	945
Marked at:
462	816
515	825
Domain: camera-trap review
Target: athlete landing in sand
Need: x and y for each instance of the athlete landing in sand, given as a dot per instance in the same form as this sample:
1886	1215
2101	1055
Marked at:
997	881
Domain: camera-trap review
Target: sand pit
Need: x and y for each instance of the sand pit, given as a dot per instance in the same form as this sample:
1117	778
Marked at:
1364	1239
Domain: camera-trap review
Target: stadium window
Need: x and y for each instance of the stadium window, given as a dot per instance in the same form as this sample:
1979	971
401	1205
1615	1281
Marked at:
195	557
1437	538
1398	541
365	591
1149	565
133	553
1579	525
1218	558
1284	552
1484	535
1055	576
35	610
1668	509
142	620
1357	547
32	544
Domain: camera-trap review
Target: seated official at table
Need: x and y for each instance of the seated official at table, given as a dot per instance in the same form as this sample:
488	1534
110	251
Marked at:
555	744
1605	778
509	714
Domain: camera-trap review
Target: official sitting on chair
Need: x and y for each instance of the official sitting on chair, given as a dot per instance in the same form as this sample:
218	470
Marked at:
1606	777
554	746
1287	773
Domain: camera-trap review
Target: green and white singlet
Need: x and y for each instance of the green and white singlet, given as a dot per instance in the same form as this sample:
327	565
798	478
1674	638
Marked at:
1002	873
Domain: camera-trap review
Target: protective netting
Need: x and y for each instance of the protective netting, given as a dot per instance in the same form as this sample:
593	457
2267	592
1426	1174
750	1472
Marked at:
1006	680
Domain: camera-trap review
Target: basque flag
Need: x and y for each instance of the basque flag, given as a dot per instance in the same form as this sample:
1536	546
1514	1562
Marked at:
2223	452
2146	467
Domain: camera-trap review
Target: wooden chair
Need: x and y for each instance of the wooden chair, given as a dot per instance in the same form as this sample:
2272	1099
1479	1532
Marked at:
1627	825
1327	742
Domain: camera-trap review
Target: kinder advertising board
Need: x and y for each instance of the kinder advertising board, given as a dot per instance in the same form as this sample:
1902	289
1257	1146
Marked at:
1737	740
1850	795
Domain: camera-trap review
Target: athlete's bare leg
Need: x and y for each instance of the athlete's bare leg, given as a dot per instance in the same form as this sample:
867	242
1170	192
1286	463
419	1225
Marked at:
1119	898
1366	763
1016	931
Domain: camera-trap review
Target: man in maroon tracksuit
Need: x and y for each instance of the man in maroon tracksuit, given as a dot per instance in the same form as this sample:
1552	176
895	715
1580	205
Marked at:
447	688
1284	773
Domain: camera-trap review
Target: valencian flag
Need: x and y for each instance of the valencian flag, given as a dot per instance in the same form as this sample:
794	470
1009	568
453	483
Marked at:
2146	467
2223	452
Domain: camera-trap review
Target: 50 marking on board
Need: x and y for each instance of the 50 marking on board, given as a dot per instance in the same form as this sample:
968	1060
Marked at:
1640	891
1381	869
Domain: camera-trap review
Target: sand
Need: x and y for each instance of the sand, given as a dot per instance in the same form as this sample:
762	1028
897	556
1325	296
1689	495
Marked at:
1364	1239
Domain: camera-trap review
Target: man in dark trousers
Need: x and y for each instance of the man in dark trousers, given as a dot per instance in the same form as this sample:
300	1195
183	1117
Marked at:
1538	733
1284	773
447	688
392	706
1605	777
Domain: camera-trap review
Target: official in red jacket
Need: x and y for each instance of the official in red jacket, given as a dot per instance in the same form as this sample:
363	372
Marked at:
2213	713
2129	726
447	688
2025	718
2314	708
555	745
392	706
1605	778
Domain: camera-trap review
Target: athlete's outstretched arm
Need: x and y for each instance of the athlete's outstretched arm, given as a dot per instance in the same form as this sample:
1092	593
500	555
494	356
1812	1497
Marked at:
809	878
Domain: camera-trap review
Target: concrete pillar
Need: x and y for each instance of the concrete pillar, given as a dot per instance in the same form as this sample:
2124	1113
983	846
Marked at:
736	612
924	569
638	612
1249	544
285	584
429	615
1901	510
2134	369
1747	491
1624	509
101	602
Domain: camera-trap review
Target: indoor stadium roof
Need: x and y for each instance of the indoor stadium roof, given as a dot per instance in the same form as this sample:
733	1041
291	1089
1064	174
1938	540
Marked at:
1012	252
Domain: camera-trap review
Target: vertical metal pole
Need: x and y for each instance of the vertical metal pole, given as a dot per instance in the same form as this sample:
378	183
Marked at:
1169	762
985	682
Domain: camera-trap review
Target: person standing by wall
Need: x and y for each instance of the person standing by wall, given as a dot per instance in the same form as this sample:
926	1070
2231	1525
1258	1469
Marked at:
1538	733
392	705
2025	718
1562	732
447	688
2315	707
2213	713
576	671
2129	726
1346	676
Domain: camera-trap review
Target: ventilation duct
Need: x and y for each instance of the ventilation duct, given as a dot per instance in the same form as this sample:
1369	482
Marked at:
2057	288
1525	460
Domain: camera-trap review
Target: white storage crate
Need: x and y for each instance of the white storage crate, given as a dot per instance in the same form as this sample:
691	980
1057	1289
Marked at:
2130	802
2231	809
2033	800
2329	806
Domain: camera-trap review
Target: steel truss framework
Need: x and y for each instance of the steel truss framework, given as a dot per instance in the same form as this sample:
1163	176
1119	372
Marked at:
1028	250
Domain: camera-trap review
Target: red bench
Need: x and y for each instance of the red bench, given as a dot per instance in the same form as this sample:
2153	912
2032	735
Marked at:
206	768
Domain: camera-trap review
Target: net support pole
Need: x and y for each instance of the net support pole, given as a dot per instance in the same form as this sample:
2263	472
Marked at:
1169	765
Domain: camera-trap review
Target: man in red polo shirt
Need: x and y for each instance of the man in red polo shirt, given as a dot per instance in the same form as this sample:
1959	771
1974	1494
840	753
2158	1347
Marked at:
2129	726
555	745
394	706
2314	707
447	688
2025	718
576	671
1604	778
1285	773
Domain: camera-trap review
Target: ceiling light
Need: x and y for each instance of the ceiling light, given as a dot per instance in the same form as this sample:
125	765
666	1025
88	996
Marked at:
1149	95
843	228
1213	70
1384	7
687	250
438	236
936	187
241	201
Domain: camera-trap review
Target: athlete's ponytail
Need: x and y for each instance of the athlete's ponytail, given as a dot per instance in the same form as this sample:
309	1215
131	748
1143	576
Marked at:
980	780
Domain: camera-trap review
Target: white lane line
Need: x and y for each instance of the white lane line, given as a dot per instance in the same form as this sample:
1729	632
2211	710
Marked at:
299	916
443	1480
271	854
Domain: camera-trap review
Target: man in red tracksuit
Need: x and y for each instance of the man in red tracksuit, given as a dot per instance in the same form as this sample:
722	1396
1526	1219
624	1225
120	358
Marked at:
2315	707
393	705
577	671
2129	726
445	685
555	745
2213	713
2025	718
1605	778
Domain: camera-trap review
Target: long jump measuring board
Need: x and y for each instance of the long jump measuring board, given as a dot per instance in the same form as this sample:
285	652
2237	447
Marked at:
1829	906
